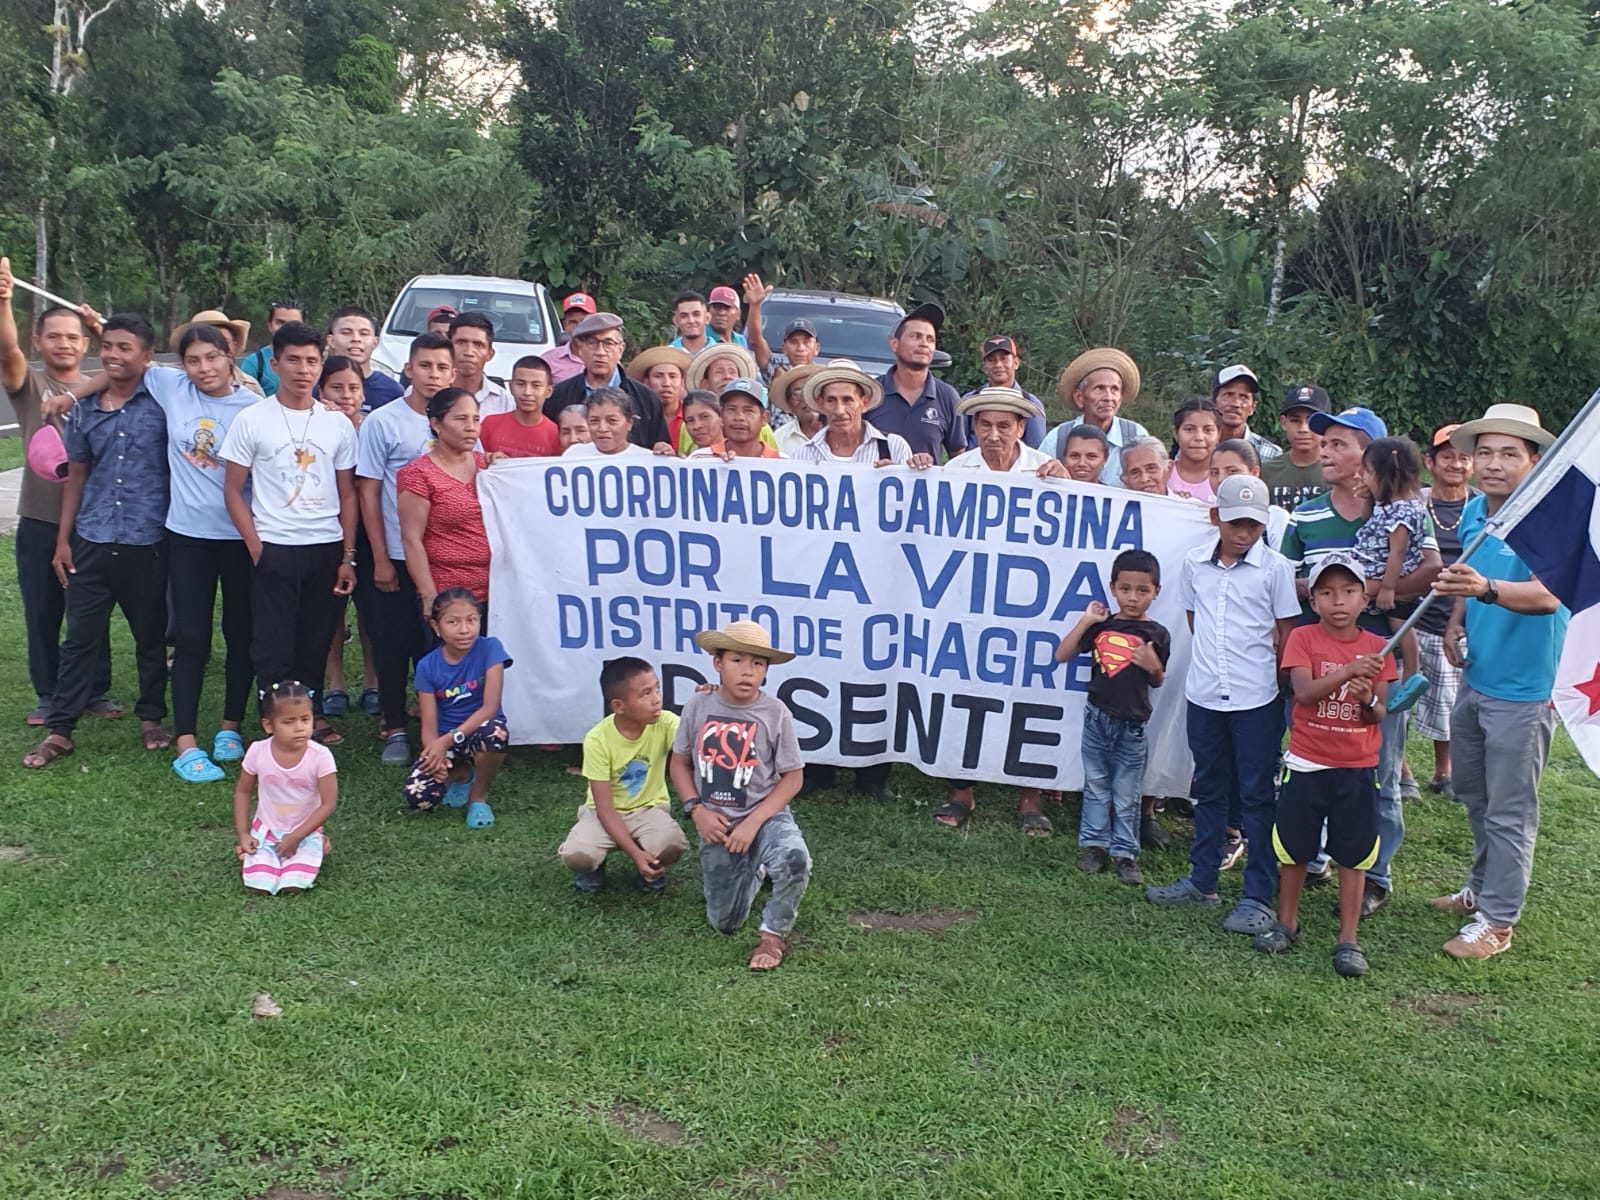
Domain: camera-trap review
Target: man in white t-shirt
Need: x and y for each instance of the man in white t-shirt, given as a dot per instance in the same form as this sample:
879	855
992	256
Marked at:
299	520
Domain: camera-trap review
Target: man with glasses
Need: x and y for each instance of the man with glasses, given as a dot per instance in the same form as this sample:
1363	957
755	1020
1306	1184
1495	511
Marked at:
598	341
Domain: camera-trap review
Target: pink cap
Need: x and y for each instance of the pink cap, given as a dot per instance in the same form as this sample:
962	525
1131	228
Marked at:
47	455
724	295
581	301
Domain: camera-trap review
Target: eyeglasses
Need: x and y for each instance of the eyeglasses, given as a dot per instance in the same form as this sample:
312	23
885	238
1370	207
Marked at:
608	343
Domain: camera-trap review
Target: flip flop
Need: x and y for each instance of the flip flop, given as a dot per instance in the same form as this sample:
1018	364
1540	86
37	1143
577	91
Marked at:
1407	694
336	703
456	794
192	766
369	701
479	815
46	752
1035	824
961	812
227	746
155	738
327	736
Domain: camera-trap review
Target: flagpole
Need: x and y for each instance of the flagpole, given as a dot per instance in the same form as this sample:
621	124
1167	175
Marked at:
1546	456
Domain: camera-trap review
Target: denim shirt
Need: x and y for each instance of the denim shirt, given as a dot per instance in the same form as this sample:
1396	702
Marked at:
125	494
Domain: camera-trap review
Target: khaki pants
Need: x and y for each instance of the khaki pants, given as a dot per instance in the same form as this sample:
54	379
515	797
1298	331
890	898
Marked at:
587	843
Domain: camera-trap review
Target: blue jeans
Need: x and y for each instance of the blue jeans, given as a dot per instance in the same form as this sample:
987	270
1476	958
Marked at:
731	881
1391	813
1235	751
1114	754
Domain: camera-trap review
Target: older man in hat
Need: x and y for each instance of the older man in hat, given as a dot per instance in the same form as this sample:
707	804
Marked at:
238	334
1234	390
599	344
1512	627
915	405
563	363
999	417
787	393
1098	383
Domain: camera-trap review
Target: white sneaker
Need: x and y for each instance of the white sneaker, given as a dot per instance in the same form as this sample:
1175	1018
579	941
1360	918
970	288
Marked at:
1464	902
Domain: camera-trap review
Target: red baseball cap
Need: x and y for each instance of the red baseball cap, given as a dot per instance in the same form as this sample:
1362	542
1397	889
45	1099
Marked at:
441	313
724	295
579	300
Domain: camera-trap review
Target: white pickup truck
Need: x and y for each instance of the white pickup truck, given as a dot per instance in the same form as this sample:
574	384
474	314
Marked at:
524	316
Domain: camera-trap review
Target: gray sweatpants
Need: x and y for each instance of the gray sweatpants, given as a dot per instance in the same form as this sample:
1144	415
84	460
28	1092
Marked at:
1498	750
731	881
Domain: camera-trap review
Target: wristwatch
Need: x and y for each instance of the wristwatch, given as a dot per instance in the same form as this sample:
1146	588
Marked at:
1491	594
1371	702
459	737
689	805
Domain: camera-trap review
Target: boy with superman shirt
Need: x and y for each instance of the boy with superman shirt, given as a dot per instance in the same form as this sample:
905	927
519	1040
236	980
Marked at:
1129	656
736	765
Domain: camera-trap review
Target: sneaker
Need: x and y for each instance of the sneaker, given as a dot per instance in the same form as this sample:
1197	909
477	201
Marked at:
1250	917
1151	834
1093	860
1277	939
1232	851
1373	898
1316	878
1349	961
1479	939
590	882
1182	894
1128	871
1463	903
1409	789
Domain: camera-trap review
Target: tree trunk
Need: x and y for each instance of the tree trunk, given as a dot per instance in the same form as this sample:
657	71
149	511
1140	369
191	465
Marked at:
1275	296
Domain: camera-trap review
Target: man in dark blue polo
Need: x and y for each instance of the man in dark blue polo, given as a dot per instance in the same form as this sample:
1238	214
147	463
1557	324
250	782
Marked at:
915	405
111	549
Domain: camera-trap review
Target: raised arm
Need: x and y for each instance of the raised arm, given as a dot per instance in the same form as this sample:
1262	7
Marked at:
755	295
13	360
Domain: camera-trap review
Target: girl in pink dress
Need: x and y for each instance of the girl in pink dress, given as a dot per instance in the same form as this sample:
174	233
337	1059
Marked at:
296	788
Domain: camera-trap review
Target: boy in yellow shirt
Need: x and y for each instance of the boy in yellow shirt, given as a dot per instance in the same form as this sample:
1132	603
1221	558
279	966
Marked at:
625	761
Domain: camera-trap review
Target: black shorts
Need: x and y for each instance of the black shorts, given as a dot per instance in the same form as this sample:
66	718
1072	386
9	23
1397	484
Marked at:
1346	798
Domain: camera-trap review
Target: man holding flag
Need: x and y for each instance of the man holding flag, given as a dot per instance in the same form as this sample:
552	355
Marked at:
1513	625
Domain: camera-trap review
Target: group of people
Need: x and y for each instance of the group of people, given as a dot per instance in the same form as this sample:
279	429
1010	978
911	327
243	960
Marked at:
295	477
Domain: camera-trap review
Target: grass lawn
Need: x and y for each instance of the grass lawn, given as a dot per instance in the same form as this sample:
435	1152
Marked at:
12	451
458	1024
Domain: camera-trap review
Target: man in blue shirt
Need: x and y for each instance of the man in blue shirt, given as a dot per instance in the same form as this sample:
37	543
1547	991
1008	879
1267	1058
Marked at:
1000	362
1502	723
915	405
111	551
723	309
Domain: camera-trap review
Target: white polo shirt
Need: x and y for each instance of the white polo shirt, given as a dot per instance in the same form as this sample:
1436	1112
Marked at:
1028	459
1232	666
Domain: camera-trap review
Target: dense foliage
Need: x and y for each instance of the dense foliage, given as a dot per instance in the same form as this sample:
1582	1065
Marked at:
1399	198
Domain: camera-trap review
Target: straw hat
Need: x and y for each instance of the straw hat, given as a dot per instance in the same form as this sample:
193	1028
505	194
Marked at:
746	636
240	330
1518	420
654	357
843	369
997	399
1099	359
695	376
787	378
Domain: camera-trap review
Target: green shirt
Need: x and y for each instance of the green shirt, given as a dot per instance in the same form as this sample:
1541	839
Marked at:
637	770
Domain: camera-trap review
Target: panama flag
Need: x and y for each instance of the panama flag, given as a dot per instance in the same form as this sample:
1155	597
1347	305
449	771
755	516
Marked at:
1553	523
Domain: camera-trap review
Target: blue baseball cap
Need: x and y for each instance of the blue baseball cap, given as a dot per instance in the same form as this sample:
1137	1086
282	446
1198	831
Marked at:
1363	420
745	386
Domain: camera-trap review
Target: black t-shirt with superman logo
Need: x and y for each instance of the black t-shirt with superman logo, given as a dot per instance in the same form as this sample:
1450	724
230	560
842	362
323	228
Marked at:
1117	687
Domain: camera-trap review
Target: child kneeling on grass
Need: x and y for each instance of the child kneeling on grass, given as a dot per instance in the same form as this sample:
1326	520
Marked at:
295	783
625	761
464	736
736	765
1336	669
1129	655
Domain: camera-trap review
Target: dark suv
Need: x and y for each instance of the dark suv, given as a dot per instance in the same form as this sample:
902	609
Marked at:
855	327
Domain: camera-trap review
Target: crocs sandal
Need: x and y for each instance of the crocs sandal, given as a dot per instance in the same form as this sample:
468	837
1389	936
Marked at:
369	702
396	750
456	794
952	815
1277	939
192	766
1035	824
1349	961
479	815
227	746
336	703
1407	694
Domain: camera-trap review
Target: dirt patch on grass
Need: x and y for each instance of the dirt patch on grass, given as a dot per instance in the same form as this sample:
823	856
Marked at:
1134	1134
448	1142
113	1166
834	1039
15	854
935	921
282	1191
63	1022
647	1124
1444	1010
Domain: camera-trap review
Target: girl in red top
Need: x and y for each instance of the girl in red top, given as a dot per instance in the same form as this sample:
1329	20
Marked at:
441	522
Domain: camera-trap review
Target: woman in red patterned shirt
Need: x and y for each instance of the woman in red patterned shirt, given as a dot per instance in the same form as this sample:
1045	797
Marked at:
441	522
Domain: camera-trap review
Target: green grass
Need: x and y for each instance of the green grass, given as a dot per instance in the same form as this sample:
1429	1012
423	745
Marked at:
11	453
457	1023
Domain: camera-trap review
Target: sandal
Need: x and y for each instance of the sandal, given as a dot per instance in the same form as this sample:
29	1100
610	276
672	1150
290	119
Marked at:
456	794
327	735
105	707
153	737
952	815
1407	694
192	766
772	947
1349	961
1034	824
227	746
336	703
1277	939
46	752
479	815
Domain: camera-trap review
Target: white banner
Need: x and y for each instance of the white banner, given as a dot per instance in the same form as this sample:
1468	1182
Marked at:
925	607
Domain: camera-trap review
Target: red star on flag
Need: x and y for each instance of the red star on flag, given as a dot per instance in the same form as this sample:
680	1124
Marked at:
1591	691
